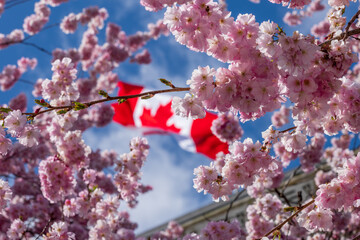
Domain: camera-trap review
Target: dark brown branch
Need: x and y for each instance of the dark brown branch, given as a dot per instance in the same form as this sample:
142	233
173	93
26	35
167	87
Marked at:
288	181
282	195
352	20
356	238
88	104
9	5
278	227
287	130
29	36
44	229
36	46
344	35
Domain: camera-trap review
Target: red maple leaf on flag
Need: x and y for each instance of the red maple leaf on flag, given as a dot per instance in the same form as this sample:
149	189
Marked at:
159	120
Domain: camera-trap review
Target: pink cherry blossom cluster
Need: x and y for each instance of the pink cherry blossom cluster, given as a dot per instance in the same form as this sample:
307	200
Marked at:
316	218
15	36
226	127
262	215
243	166
280	118
173	231
16	125
321	29
342	191
128	172
59	230
219	230
92	16
35	22
56	187
11	73
295	18
339	3
16	229
56	178
292	3
156	5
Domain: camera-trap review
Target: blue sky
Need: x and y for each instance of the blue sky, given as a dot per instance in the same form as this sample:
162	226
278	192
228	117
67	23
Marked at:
169	169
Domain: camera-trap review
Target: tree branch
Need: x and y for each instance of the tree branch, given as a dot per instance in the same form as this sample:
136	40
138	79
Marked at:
88	104
11	4
352	20
343	35
36	46
44	229
232	202
278	227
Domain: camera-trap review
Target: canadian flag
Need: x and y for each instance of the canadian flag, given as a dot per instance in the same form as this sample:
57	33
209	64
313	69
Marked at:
156	115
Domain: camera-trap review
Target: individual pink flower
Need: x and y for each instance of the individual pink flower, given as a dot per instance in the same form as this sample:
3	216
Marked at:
294	142
59	230
29	136
89	176
15	122
70	207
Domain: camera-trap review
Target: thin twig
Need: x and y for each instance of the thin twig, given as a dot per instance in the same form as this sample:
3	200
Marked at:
26	81
356	238
231	203
13	4
352	20
88	104
281	195
288	181
36	46
29	36
44	229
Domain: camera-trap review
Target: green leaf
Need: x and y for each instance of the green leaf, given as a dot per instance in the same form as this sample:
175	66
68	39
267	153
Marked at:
79	106
5	110
289	209
147	96
41	102
62	111
30	118
121	100
103	93
166	82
